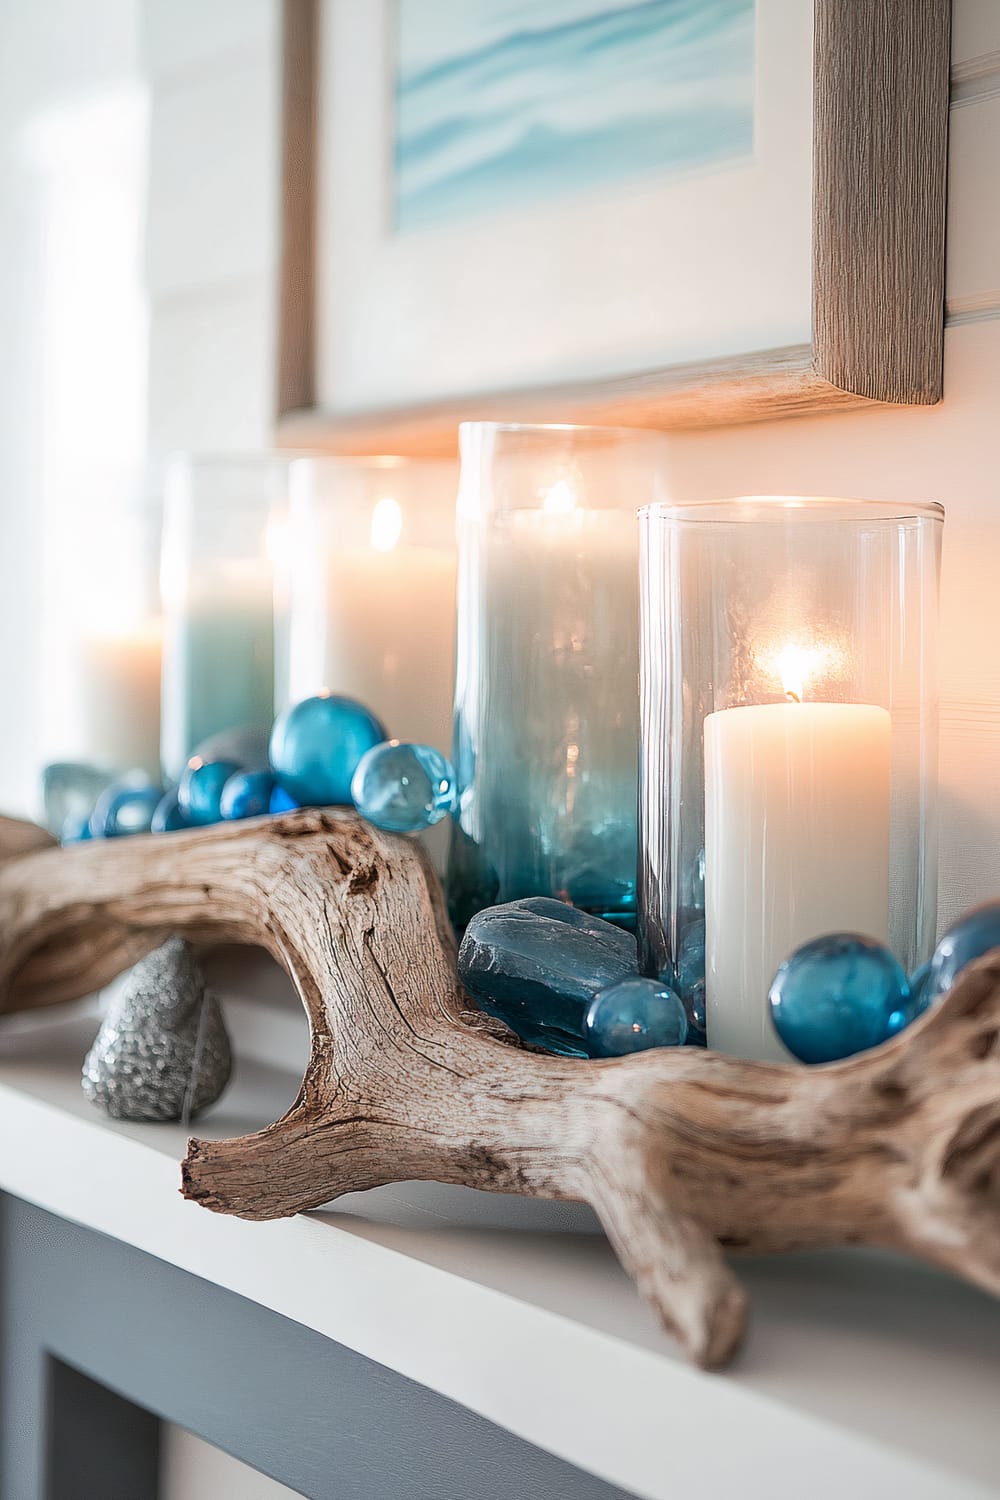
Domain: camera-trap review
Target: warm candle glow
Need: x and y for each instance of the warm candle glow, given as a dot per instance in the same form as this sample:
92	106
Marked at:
560	500
800	665
795	664
387	524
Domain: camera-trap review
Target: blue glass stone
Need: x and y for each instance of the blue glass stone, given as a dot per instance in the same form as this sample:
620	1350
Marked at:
402	787
633	1015
125	808
168	817
76	829
199	794
971	937
316	747
280	801
538	963
247	795
834	997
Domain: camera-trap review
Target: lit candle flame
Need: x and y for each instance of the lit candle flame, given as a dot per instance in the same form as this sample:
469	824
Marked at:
387	524
795	664
560	499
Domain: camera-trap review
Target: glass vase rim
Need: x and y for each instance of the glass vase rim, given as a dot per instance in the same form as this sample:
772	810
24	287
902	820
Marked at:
484	425
748	510
345	462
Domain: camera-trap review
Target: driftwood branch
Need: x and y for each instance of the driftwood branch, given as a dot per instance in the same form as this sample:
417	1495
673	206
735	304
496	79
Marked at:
683	1154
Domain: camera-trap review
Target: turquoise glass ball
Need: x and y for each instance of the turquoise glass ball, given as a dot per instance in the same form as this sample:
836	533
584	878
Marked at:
915	1005
316	747
971	937
168	817
246	795
633	1015
199	794
124	809
835	995
280	801
403	788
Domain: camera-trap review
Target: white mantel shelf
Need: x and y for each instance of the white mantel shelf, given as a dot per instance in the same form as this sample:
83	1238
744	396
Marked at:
864	1375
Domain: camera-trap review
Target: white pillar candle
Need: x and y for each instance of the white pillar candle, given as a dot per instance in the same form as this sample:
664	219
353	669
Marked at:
378	624
119	695
796	845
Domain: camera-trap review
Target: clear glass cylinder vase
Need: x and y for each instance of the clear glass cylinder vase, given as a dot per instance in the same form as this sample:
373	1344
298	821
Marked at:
223	521
546	703
369	590
789	706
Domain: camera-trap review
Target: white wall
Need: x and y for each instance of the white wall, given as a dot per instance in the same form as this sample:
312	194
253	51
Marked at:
58	59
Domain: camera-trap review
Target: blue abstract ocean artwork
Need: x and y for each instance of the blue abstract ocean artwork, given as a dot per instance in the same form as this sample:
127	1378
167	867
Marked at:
505	102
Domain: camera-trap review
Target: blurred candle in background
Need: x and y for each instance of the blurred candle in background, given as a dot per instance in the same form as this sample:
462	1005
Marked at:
223	521
368	590
102	638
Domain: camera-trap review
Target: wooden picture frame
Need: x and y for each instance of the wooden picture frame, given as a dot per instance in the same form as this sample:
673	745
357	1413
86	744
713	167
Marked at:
880	124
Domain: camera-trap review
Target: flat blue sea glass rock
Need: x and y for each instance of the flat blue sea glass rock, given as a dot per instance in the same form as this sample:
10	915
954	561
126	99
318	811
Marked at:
971	937
834	997
125	808
168	817
246	795
199	793
537	964
280	801
633	1015
316	747
402	787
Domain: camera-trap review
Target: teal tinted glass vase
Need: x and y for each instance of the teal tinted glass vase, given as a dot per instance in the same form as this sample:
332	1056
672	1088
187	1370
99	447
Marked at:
546	705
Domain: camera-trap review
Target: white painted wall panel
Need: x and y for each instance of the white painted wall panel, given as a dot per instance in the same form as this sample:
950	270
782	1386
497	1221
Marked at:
973	244
975	29
210	379
181	34
213	174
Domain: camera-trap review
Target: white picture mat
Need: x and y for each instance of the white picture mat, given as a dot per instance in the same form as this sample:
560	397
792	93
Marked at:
657	271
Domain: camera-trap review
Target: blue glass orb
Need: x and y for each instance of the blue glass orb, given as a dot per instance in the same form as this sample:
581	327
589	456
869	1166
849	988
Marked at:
971	937
168	817
316	747
280	801
915	1005
834	997
691	956
76	829
125	808
631	1016
247	795
199	794
403	788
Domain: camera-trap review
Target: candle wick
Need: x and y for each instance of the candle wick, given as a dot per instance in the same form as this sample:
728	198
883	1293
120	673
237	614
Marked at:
792	697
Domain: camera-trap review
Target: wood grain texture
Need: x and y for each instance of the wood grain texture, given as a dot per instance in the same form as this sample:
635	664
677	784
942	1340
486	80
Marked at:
297	276
880	156
684	1154
881	88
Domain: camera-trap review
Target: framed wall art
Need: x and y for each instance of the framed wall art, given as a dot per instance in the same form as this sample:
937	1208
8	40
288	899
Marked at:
646	212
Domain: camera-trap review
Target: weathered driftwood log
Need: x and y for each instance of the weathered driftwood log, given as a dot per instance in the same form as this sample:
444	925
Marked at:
683	1154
